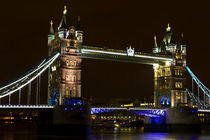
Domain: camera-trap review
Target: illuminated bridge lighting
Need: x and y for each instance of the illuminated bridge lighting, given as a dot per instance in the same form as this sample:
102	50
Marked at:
26	106
44	66
196	79
203	110
24	77
124	54
142	111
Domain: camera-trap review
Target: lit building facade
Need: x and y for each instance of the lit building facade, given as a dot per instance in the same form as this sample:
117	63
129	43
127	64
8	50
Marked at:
170	78
64	78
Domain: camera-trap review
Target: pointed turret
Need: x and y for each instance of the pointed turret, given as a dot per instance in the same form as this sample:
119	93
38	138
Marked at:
51	28
163	47
182	41
168	36
178	48
64	24
78	25
155	49
155	42
51	35
79	32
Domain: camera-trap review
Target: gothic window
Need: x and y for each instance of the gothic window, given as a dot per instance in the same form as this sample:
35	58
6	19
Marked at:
74	92
75	62
179	97
67	77
176	72
180	72
67	62
73	78
67	92
178	85
168	73
71	63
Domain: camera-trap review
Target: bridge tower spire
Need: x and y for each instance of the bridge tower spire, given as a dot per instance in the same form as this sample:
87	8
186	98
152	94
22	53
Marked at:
170	77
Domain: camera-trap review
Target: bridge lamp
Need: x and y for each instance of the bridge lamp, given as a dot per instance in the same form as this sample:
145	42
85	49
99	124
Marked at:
168	63
155	66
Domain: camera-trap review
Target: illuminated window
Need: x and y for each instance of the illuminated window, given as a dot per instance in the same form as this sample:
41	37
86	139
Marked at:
74	91
67	62
71	63
178	85
75	63
73	78
179	98
178	72
67	77
67	92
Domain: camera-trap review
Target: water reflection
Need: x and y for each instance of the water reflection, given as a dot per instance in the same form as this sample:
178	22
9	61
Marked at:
100	133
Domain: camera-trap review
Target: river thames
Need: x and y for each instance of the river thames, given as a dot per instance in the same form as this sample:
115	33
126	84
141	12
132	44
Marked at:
101	133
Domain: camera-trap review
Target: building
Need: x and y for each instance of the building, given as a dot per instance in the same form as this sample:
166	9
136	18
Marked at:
170	78
65	73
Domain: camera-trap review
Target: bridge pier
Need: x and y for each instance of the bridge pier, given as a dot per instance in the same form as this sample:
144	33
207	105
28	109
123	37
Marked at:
155	123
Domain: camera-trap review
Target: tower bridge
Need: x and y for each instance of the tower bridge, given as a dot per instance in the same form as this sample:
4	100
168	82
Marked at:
124	56
63	63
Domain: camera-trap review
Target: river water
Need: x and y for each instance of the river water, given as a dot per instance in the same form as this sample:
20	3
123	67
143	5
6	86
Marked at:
99	133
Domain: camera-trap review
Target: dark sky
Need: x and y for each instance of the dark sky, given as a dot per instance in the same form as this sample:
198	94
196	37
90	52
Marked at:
24	26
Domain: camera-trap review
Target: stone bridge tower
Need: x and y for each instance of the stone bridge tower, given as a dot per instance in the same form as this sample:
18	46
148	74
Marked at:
64	81
170	78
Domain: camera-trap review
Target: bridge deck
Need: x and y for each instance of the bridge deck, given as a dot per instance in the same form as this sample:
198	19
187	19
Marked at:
121	56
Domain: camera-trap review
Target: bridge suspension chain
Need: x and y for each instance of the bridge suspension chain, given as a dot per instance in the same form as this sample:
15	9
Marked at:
27	79
202	103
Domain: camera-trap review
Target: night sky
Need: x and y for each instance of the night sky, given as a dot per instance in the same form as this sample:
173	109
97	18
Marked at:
24	26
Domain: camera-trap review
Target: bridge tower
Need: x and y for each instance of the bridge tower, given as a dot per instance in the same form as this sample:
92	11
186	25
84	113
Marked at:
65	73
170	77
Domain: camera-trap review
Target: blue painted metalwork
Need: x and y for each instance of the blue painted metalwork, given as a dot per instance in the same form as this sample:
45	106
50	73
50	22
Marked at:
73	101
165	101
146	112
54	98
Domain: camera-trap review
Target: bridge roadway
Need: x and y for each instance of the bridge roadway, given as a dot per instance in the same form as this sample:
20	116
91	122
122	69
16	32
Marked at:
122	56
151	112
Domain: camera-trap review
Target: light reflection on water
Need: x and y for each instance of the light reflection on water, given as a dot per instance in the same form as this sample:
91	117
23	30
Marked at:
126	133
139	134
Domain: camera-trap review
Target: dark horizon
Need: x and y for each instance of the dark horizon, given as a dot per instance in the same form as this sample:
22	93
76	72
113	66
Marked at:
115	24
